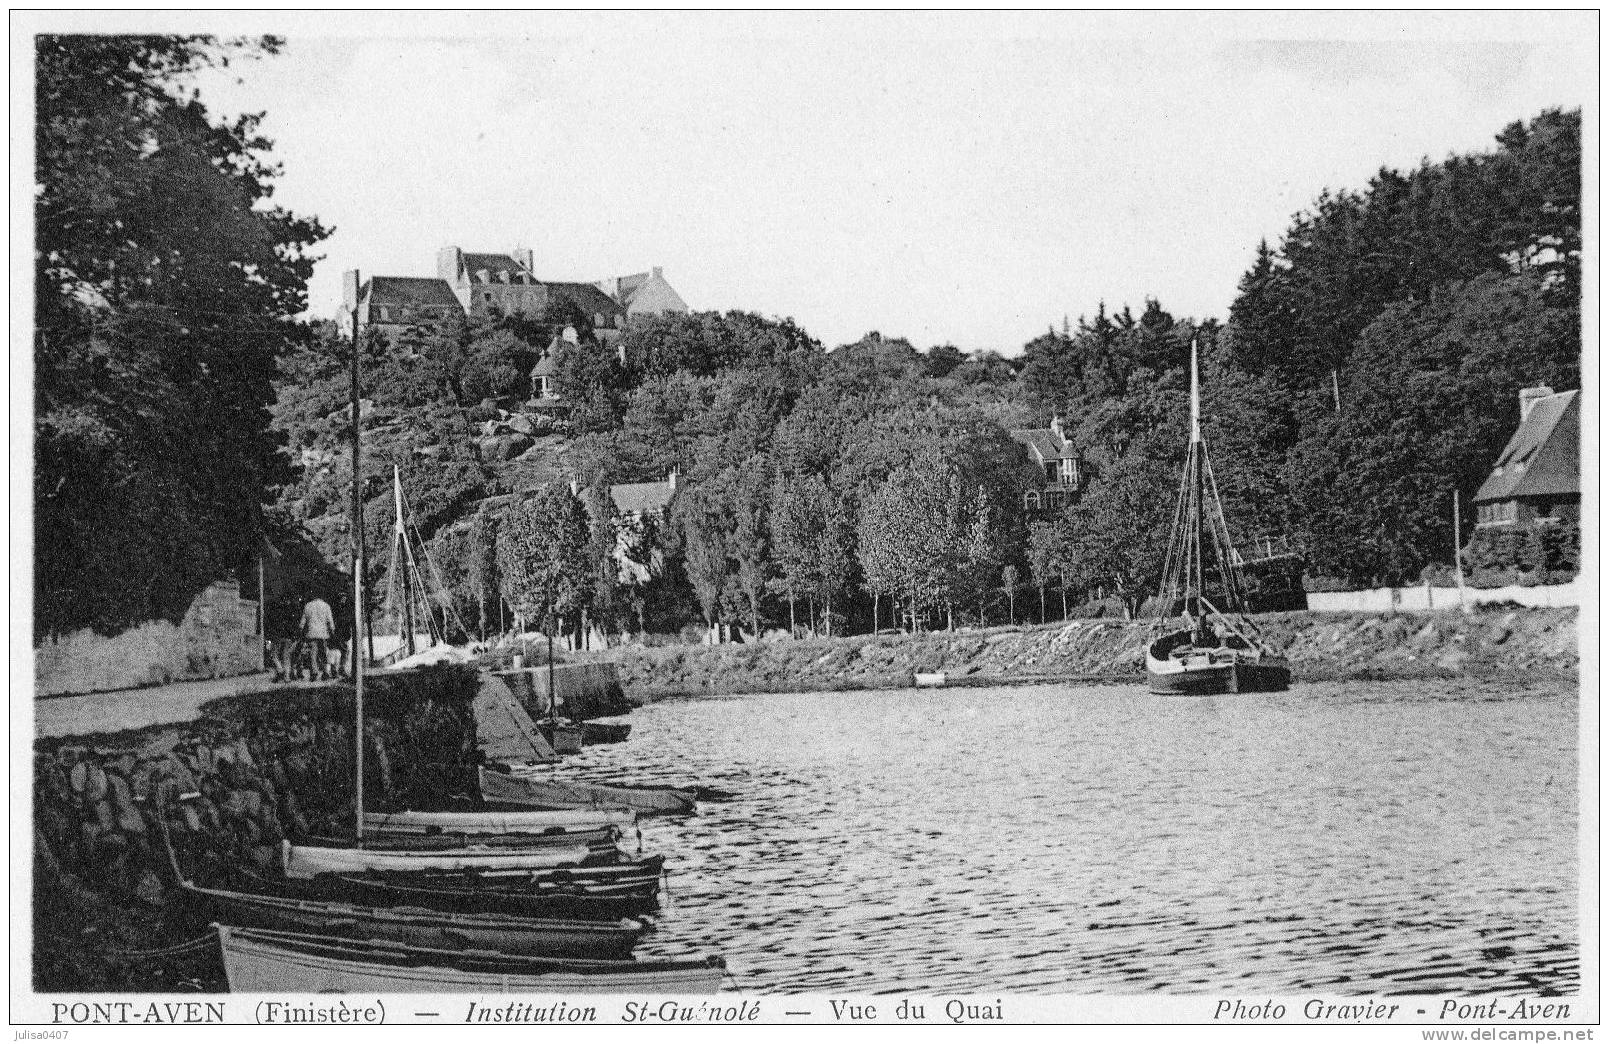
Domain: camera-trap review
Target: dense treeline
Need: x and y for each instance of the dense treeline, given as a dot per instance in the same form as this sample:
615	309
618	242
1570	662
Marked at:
165	288
1369	367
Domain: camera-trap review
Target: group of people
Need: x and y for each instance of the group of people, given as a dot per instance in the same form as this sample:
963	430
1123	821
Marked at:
308	655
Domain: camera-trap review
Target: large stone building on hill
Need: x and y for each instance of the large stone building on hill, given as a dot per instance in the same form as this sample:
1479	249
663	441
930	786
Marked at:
477	285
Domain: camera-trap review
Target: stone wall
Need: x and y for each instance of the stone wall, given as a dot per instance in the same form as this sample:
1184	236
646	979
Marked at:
253	770
217	637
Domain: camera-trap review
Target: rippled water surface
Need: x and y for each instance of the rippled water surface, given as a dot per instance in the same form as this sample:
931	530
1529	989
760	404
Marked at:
1356	838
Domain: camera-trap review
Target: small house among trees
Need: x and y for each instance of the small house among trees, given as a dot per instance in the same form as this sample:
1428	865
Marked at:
1537	477
1060	468
1528	511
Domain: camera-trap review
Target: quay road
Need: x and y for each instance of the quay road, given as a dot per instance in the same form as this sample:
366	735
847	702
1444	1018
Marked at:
137	708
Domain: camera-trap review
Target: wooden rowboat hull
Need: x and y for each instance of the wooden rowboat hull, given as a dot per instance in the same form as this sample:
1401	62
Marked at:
596	733
503	788
528	822
605	903
306	861
281	963
415	926
598	839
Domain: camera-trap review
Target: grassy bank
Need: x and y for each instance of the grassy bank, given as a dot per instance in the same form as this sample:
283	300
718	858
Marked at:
1490	642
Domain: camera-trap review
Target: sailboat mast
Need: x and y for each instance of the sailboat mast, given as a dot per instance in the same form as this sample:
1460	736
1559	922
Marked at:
357	574
1197	451
400	556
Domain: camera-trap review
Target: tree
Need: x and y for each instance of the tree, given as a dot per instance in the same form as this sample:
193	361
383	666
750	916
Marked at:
165	289
701	528
1044	554
906	536
944	358
542	556
1008	584
1429	407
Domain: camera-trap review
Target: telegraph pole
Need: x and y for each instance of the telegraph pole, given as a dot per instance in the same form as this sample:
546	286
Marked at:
357	570
1458	555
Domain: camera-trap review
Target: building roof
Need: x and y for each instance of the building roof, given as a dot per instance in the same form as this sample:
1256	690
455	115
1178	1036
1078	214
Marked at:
642	496
648	292
1046	444
493	264
408	290
1543	459
586	297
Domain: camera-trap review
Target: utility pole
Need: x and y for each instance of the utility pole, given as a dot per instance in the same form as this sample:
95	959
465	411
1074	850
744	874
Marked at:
1458	555
358	615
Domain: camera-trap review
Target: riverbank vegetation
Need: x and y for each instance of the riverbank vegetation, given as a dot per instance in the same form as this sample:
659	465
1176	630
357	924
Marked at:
1368	369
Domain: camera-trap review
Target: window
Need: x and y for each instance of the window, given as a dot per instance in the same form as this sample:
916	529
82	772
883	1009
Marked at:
1030	501
385	314
1050	470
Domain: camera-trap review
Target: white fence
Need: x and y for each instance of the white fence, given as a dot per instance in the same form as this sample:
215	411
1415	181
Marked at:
1423	599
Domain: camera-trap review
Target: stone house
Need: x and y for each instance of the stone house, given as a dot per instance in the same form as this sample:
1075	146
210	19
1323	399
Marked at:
1537	478
482	284
1060	467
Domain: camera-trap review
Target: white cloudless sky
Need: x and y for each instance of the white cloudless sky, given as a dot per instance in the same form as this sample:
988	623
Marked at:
969	179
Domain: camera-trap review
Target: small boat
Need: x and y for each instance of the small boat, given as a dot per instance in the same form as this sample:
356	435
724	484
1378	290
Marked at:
539	792
621	897
628	880
1209	651
304	861
597	733
597	839
496	822
417	926
924	681
257	961
563	736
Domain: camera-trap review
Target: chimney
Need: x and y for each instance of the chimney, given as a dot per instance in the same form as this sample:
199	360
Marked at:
671	478
570	335
448	261
350	288
1055	427
620	350
483	275
659	273
525	258
1529	397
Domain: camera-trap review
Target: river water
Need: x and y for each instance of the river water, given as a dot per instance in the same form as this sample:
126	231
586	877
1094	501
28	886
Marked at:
1357	838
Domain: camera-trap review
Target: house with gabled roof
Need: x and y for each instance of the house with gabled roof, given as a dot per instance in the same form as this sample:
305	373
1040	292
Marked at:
1060	467
1537	478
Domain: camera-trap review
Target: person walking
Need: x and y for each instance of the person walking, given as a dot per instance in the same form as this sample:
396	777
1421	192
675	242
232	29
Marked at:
318	627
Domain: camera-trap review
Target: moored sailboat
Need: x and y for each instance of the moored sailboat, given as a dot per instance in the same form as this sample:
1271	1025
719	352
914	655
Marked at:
1209	650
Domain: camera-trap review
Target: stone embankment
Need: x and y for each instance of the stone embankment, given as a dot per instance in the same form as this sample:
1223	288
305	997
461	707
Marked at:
228	787
1490	642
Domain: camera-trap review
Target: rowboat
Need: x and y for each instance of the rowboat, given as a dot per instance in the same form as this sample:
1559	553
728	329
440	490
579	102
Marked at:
596	733
415	926
1208	651
305	861
496	822
503	788
929	681
622	896
388	839
258	961
564	736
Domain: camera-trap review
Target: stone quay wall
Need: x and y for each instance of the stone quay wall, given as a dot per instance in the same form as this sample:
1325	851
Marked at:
253	770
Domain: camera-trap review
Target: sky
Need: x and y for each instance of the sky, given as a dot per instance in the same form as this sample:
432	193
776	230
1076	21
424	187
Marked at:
946	178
